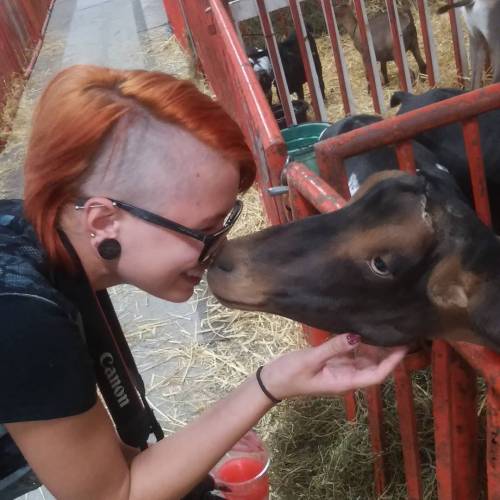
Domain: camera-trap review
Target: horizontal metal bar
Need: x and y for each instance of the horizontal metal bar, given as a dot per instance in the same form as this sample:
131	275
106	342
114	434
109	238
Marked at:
314	189
408	125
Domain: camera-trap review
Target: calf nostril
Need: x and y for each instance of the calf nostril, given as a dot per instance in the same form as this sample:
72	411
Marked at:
224	262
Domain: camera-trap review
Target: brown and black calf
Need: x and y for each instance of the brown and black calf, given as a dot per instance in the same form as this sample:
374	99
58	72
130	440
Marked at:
407	259
380	30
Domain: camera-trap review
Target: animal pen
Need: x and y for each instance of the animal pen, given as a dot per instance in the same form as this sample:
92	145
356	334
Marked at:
211	30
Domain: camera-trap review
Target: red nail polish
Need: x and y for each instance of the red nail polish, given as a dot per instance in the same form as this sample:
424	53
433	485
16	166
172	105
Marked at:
353	338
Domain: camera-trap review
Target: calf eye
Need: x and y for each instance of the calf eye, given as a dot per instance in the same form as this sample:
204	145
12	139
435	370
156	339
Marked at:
379	267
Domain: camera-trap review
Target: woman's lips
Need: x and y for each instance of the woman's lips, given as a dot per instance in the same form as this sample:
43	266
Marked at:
193	278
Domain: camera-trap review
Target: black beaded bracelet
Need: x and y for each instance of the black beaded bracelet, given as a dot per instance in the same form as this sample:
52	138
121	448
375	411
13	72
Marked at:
263	387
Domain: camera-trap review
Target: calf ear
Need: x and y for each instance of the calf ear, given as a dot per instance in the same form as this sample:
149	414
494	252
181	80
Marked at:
464	294
446	287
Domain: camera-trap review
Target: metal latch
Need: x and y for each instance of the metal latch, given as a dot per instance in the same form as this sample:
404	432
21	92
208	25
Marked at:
283	188
277	190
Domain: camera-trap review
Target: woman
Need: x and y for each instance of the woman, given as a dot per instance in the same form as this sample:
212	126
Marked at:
130	177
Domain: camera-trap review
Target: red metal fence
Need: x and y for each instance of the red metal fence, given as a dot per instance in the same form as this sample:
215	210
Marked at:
242	10
455	366
22	24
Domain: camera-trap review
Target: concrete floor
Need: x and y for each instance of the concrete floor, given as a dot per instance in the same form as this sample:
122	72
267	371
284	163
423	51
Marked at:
114	33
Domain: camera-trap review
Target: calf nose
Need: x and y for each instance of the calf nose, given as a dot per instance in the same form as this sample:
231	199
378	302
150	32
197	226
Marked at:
223	262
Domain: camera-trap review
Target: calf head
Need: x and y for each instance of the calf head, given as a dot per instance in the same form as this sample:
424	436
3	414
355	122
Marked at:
406	259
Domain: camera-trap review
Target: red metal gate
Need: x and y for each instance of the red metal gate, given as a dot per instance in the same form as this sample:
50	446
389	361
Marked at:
455	366
22	25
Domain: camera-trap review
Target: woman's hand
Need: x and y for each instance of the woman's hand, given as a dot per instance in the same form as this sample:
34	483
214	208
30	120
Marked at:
337	366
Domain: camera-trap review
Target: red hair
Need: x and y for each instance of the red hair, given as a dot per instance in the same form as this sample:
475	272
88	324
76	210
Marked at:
79	108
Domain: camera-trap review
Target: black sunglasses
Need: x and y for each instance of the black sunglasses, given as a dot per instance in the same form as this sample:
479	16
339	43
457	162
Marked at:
210	241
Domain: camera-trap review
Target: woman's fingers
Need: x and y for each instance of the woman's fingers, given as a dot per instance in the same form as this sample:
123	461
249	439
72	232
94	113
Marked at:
392	360
339	344
377	373
336	366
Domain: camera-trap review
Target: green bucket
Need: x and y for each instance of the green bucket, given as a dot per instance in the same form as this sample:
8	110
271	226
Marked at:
300	141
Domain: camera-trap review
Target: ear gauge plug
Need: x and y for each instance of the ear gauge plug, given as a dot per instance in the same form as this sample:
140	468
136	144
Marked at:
109	249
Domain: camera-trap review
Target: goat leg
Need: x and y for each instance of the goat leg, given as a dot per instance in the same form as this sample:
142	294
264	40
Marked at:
383	69
478	58
415	50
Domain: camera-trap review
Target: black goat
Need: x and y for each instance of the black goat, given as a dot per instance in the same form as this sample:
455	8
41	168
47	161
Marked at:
293	67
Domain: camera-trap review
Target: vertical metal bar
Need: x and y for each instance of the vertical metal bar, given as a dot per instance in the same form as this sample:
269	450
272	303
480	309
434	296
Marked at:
375	425
308	62
406	158
465	430
429	44
472	140
441	395
408	430
398	46
458	45
332	170
338	55
369	60
350	406
177	19
279	74
493	444
455	424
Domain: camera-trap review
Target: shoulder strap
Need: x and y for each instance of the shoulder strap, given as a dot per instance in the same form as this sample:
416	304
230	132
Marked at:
132	370
117	375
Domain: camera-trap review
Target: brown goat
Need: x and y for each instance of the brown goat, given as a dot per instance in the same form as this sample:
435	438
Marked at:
381	35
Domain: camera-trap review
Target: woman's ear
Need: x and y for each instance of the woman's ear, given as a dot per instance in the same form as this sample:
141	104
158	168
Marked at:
101	218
